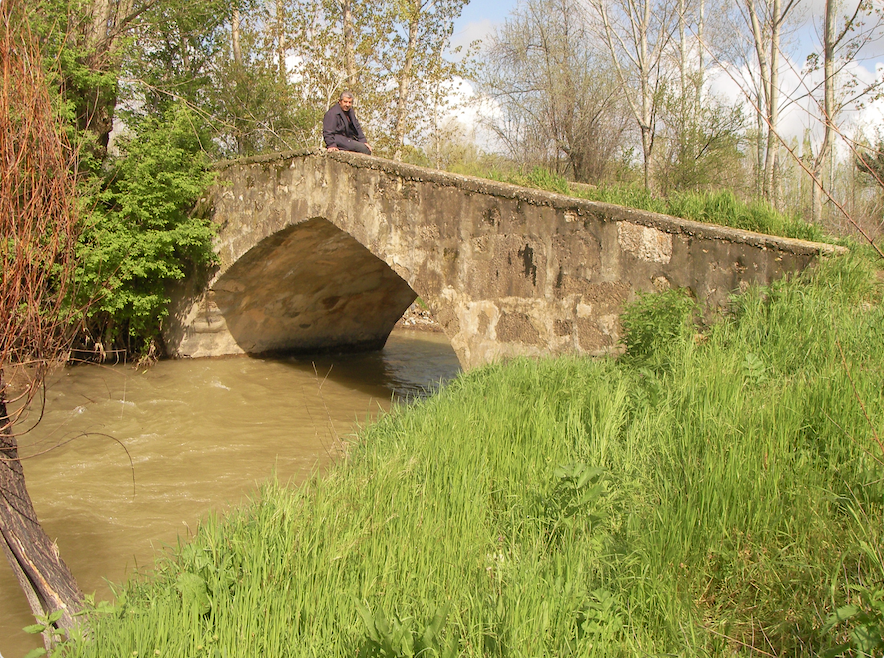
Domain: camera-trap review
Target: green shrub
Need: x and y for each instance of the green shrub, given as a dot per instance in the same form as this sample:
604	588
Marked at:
658	325
141	233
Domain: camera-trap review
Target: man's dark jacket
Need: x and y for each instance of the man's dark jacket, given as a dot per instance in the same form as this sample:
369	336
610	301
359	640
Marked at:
337	123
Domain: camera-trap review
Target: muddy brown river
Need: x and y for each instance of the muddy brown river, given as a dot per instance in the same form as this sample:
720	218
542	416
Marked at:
144	455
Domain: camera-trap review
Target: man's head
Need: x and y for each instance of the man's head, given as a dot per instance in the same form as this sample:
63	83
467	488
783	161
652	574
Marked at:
346	101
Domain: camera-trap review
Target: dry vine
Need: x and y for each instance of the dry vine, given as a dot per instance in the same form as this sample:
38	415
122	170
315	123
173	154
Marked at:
38	234
38	221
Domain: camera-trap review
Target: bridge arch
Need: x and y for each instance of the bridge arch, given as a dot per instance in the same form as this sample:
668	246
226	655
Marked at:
325	252
310	287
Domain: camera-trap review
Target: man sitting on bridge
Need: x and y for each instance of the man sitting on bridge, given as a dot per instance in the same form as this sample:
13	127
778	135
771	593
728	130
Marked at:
341	129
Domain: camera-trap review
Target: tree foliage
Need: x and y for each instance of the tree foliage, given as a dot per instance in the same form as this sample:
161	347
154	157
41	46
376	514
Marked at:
639	36
701	145
560	105
182	83
871	162
142	235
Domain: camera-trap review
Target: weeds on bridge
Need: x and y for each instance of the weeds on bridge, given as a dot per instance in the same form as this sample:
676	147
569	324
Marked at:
722	208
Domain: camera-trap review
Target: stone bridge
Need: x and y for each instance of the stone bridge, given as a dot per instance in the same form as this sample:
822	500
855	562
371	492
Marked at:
324	252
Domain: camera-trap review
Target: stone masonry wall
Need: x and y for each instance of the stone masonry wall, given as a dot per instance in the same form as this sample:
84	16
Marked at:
325	252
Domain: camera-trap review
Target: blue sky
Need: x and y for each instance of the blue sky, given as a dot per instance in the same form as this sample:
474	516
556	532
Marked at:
478	17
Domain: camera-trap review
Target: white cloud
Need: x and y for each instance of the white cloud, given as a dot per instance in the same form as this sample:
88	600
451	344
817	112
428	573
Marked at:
473	112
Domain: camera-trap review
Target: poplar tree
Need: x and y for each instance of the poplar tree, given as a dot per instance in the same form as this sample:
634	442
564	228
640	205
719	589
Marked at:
638	35
415	59
843	39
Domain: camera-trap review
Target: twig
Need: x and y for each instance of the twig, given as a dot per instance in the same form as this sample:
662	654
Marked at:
72	439
748	646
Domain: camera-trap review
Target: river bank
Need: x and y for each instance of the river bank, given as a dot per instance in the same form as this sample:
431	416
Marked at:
698	497
148	453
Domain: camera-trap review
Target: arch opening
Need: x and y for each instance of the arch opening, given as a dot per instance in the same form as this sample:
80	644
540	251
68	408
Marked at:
311	288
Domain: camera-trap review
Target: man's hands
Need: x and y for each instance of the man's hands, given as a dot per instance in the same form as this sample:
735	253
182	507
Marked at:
327	148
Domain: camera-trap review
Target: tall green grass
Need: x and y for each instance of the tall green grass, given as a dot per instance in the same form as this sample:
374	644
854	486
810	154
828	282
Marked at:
718	493
722	208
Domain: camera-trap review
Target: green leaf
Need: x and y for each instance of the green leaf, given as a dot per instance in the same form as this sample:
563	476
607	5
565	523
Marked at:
34	653
867	639
589	474
843	613
193	592
368	619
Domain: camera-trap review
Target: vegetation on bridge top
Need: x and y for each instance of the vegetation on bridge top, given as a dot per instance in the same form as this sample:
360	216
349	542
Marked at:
722	208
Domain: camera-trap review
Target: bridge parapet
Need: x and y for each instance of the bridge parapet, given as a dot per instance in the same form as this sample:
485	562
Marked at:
325	251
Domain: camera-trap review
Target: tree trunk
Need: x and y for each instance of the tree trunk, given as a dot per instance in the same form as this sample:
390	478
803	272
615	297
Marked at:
405	82
763	109
281	41
236	49
828	112
647	120
235	44
45	579
682	52
701	69
96	104
349	45
646	63
773	111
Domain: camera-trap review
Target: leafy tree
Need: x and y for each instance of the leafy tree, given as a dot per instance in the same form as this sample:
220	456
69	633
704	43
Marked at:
701	134
392	54
86	38
766	19
842	41
701	146
639	35
560	103
415	59
871	162
157	59
141	235
257	106
173	53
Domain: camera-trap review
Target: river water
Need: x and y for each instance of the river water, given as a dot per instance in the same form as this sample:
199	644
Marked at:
145	454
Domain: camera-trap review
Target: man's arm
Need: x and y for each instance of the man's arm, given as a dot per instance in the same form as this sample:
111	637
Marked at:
360	136
329	129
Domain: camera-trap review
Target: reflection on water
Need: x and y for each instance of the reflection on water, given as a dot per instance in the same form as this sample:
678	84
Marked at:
407	367
154	451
